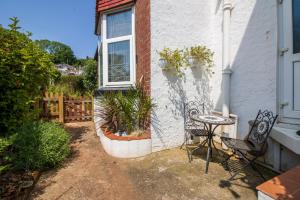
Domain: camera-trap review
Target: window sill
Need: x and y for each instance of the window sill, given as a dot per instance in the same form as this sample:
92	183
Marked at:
102	90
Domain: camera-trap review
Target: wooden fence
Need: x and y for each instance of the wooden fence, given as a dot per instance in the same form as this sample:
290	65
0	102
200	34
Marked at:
66	109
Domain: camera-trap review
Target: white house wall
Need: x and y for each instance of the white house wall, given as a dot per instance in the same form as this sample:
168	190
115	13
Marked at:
179	24
254	59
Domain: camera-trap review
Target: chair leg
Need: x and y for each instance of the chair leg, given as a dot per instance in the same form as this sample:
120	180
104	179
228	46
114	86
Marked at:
189	156
226	159
184	142
239	171
249	163
255	169
204	142
190	153
216	148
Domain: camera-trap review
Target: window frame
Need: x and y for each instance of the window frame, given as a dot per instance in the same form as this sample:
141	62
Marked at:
132	50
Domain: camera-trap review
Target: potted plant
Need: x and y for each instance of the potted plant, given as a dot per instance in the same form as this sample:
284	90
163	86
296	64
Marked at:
200	56
173	61
126	113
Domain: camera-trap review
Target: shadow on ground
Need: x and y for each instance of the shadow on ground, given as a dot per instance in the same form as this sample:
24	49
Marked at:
169	175
77	133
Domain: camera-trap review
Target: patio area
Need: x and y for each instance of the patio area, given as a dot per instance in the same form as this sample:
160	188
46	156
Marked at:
168	175
91	174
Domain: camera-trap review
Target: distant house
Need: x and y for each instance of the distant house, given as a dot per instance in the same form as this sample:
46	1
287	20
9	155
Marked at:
256	45
66	69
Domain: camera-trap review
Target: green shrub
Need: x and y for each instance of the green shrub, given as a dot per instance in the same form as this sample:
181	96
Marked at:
25	70
69	85
90	74
5	153
40	145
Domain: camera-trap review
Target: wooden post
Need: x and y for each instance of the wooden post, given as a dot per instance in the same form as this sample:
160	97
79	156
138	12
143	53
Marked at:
61	107
46	104
51	104
83	112
92	111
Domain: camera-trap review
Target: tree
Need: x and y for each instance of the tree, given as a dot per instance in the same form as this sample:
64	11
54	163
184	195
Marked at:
90	74
61	53
25	70
14	25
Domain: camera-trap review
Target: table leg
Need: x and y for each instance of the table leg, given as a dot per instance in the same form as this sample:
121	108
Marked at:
209	150
212	133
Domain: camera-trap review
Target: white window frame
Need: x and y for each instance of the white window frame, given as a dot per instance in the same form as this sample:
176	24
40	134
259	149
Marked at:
284	90
105	43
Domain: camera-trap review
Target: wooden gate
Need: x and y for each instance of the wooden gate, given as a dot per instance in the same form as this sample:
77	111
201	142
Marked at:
78	109
67	109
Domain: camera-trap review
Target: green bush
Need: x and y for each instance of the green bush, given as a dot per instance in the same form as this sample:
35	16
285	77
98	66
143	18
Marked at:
40	145
90	74
25	70
5	154
69	85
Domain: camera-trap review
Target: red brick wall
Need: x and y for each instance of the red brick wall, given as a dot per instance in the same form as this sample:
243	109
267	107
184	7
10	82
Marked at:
143	42
142	36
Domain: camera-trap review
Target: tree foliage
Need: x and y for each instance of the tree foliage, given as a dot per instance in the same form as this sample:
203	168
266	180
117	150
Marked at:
69	85
25	70
84	84
90	74
61	53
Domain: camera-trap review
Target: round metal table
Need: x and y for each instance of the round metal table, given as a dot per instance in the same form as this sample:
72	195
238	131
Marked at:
209	121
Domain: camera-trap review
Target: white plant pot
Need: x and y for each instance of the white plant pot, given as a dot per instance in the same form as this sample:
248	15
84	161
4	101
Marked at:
194	62
163	63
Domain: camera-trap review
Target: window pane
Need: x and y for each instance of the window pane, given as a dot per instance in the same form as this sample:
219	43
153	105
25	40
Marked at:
119	24
296	26
119	61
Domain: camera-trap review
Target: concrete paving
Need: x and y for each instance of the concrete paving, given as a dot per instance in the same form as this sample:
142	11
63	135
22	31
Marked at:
90	173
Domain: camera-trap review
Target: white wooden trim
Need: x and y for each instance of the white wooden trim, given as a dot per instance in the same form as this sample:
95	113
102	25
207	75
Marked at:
105	43
285	62
99	63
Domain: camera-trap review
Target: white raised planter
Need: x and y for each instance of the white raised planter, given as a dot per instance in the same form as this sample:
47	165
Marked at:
125	148
287	137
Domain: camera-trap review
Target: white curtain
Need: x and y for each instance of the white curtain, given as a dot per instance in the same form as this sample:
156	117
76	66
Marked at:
119	24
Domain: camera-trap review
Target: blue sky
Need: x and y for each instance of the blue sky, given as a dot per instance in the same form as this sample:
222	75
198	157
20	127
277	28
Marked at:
68	21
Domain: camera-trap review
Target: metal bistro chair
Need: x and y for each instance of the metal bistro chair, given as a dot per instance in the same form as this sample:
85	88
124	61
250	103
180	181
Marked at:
254	145
192	128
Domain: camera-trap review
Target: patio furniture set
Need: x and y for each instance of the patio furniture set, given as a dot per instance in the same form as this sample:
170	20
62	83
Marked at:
199	123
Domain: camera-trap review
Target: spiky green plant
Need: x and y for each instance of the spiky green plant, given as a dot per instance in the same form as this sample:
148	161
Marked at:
126	111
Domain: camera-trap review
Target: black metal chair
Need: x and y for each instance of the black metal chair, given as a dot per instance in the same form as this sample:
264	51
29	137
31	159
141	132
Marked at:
254	145
192	128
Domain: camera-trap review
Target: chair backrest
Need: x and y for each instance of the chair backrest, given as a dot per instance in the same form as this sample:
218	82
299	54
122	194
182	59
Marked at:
193	108
261	128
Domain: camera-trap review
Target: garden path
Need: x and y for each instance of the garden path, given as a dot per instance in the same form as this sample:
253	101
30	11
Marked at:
89	173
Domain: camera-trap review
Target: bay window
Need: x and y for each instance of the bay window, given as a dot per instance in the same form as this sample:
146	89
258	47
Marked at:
118	59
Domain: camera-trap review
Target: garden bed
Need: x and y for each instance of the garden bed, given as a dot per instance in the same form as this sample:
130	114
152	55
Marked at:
125	146
17	185
112	136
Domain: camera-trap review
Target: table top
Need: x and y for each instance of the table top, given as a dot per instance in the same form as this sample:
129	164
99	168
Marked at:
213	119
